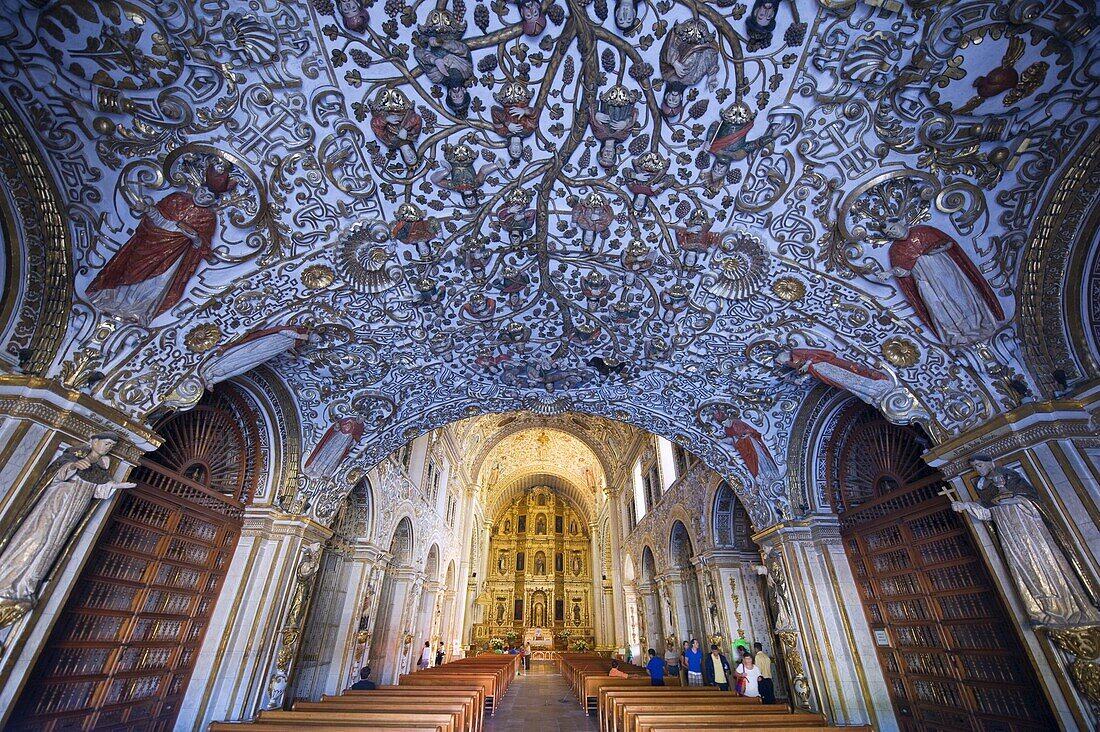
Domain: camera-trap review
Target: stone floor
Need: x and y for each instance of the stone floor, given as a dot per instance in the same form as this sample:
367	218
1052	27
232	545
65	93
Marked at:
540	702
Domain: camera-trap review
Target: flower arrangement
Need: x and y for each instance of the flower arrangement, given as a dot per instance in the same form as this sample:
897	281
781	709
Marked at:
511	635
497	644
581	646
564	635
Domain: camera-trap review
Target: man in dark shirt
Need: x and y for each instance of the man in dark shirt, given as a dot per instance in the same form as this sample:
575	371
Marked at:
364	683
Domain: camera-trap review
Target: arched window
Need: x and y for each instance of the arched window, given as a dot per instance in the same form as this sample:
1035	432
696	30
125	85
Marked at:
732	528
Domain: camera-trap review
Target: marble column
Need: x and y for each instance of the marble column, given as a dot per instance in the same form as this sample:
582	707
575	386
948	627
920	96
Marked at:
617	581
822	628
251	631
40	419
1055	446
599	610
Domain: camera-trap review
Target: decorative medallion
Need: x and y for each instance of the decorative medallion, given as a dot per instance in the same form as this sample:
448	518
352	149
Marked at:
901	352
318	276
203	337
368	257
790	289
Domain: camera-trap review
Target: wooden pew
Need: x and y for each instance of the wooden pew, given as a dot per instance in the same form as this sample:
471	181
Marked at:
280	721
611	698
591	684
486	681
461	708
763	716
476	693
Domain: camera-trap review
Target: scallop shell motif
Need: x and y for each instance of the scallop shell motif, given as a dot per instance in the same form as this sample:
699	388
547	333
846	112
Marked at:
742	267
368	257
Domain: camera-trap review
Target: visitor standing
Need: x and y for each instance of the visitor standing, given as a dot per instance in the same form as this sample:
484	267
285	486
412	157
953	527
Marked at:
748	671
764	662
527	658
672	659
716	669
656	668
439	654
425	656
694	657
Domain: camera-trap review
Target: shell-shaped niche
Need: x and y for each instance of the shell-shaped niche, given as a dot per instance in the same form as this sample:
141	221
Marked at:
367	254
740	268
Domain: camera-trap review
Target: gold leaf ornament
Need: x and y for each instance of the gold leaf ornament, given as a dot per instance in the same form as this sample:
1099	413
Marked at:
203	337
901	352
790	289
318	276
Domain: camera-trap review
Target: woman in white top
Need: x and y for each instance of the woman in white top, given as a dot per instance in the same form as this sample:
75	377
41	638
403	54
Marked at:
426	656
748	671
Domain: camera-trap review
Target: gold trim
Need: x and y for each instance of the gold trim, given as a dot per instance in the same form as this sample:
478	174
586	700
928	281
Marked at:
1043	270
52	318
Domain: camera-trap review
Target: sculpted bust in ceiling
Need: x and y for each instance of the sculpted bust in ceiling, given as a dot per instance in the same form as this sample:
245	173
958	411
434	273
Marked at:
654	210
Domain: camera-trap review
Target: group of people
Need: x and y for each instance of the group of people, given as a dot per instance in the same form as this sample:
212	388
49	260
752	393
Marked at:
749	675
525	652
426	656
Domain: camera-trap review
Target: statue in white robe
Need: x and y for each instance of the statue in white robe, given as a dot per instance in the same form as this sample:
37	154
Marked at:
333	447
1052	593
250	351
72	482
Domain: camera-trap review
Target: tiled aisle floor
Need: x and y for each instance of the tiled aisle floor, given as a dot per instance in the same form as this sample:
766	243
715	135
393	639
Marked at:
540	702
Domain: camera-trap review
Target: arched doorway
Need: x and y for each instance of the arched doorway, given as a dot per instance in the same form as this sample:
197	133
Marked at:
429	612
121	653
386	647
685	587
653	628
942	634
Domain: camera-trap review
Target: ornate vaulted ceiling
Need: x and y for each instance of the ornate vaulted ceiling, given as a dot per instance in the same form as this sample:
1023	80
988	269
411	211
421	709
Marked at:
629	209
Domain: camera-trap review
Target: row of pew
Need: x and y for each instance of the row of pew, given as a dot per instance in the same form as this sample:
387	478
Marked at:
454	697
634	705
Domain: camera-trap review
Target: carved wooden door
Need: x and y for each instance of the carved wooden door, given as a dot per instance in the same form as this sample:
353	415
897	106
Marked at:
121	653
946	643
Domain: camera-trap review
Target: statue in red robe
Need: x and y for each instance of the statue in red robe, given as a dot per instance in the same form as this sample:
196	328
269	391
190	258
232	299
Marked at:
515	119
945	288
333	447
749	444
868	384
149	274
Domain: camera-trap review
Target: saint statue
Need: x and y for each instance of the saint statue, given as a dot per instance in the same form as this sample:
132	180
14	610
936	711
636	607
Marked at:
333	447
149	274
576	615
250	351
945	288
1052	593
539	615
540	565
540	525
868	384
576	563
72	482
748	442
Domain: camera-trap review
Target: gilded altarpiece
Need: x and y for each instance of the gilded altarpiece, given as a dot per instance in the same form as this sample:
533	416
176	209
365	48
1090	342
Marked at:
539	585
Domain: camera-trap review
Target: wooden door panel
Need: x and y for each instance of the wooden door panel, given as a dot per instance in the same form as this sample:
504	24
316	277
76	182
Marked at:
951	657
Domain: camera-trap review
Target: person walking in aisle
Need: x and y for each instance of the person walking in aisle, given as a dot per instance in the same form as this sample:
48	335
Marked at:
439	654
656	668
748	672
694	657
716	669
425	661
764	662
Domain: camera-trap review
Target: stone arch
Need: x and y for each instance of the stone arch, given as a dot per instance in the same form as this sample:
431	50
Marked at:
36	268
649	565
809	484
431	564
280	434
1059	280
680	546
